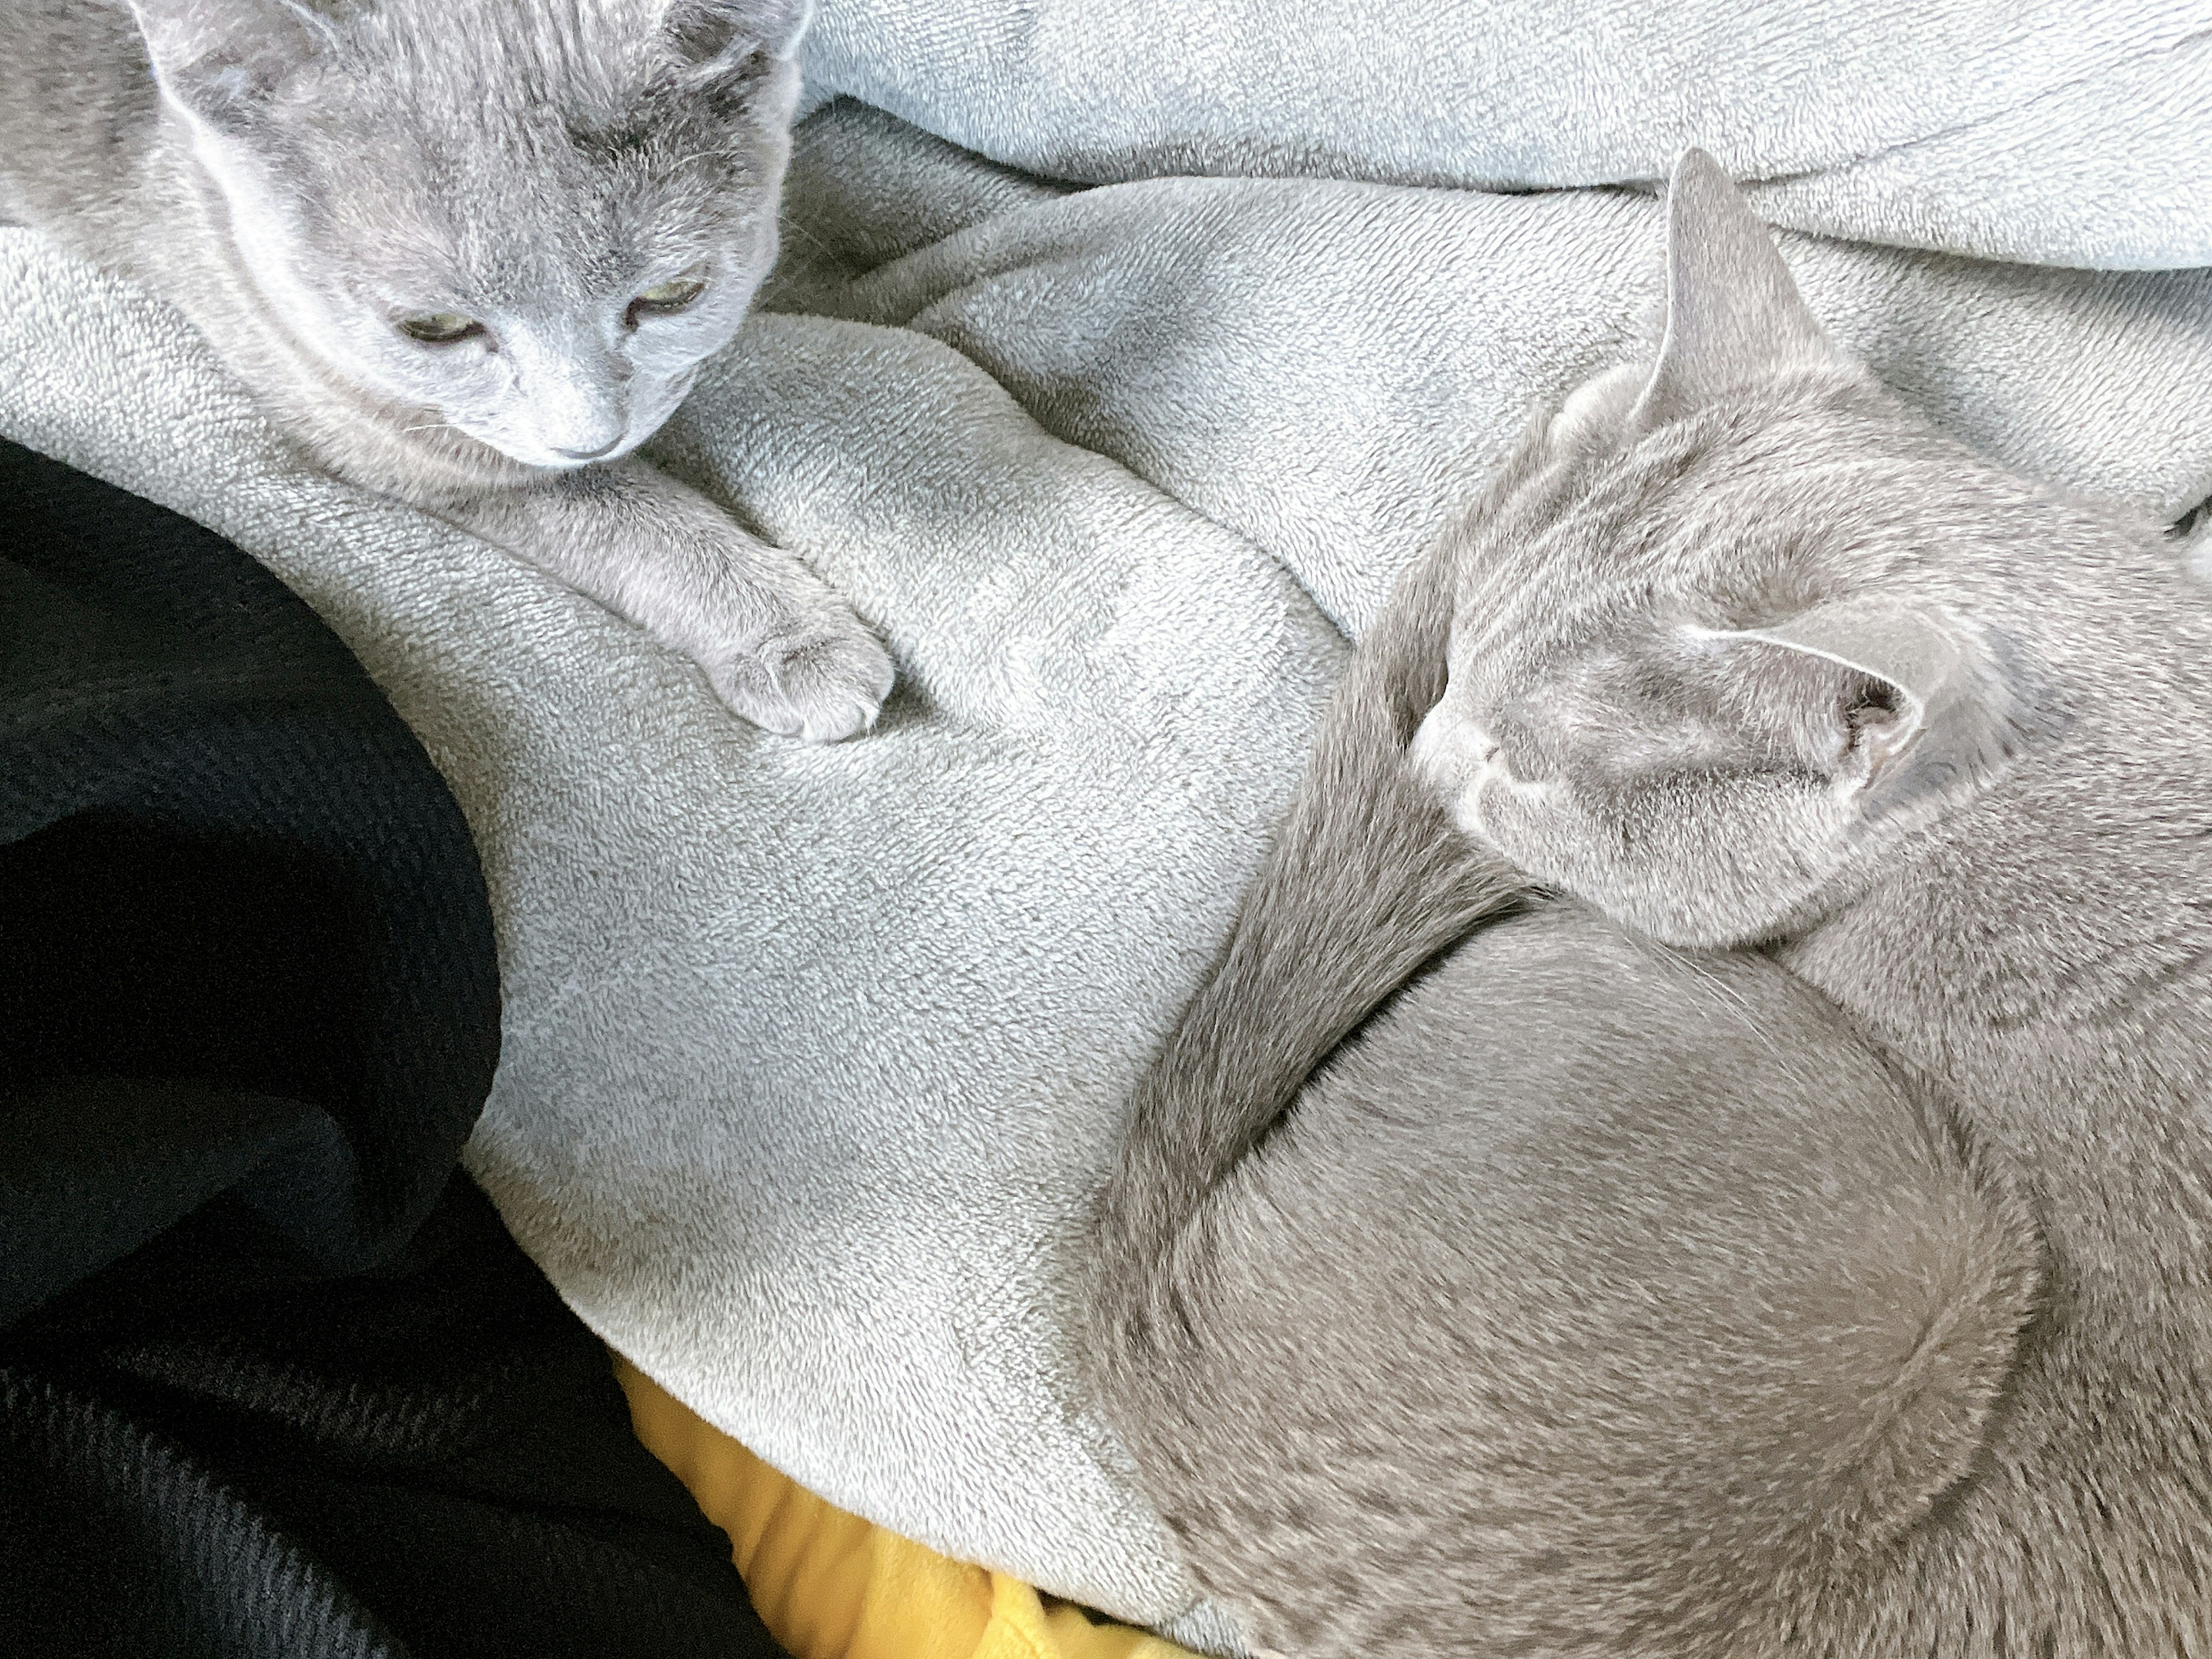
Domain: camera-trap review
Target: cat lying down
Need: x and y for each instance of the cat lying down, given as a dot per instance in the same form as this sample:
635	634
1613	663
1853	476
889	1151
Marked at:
1697	1144
470	253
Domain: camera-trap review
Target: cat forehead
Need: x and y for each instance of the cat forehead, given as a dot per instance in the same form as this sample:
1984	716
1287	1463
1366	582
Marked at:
507	221
583	198
1727	520
1611	661
536	83
602	50
496	115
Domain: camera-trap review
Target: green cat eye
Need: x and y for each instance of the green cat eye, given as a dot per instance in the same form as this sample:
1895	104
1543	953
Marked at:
439	327
663	298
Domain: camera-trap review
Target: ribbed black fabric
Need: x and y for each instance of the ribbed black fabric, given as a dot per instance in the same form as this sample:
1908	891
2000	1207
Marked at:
273	1379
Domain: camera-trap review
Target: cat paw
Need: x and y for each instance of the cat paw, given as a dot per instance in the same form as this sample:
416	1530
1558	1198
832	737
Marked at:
820	680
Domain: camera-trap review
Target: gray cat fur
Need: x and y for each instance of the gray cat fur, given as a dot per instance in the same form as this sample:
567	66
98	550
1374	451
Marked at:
1580	1296
1611	1294
298	180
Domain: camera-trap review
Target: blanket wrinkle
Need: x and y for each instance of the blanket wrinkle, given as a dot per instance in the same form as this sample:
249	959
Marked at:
1593	92
1361	322
813	1056
2159	54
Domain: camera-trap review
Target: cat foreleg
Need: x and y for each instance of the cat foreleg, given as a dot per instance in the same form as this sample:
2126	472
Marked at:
776	644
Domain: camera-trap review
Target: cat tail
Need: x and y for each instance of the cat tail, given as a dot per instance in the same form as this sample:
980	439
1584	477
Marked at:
1367	881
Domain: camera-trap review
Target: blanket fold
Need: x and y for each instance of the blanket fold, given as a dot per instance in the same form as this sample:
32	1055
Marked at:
2037	130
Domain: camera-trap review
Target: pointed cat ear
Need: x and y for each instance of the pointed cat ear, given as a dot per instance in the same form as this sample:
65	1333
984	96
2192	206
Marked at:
219	61
1733	314
1915	705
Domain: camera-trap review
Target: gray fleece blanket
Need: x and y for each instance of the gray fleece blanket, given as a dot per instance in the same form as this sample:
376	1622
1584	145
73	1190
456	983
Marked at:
813	1056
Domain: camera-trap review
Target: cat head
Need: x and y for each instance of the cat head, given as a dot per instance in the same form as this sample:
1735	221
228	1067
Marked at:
1694	678
530	219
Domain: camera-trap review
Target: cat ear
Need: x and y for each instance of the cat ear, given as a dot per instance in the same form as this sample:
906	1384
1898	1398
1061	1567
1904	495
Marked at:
220	61
1914	702
1732	314
730	44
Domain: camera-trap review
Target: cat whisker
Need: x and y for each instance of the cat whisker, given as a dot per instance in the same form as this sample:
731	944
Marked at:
699	156
1701	976
800	233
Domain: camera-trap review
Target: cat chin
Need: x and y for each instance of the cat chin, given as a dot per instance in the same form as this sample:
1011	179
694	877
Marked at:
1677	914
553	461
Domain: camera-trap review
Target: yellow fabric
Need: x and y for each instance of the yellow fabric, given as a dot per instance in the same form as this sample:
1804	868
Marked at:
829	1585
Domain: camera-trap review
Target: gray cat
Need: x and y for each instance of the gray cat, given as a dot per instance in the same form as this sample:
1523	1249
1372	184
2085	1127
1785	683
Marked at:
1794	1238
469	252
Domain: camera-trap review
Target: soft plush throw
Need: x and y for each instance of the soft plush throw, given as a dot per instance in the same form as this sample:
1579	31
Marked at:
812	1057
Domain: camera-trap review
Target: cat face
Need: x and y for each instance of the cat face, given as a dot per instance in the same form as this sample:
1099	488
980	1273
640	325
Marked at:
1667	695
1702	784
532	220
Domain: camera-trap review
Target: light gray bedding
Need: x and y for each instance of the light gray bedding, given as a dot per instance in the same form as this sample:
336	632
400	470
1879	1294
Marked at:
813	1055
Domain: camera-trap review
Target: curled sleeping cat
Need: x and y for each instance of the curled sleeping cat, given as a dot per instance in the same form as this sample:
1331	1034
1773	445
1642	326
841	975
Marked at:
1779	1219
469	252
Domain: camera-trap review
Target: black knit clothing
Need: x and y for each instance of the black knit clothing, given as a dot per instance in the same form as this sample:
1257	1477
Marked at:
273	1378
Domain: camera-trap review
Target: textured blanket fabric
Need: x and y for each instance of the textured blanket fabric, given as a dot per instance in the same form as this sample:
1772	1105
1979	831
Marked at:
2047	130
270	1384
812	1057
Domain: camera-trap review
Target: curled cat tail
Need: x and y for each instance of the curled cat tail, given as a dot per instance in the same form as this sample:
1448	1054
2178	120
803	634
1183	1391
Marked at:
1368	880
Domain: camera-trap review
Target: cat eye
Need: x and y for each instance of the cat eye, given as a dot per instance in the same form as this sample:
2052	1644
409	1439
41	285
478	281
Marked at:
665	297
440	327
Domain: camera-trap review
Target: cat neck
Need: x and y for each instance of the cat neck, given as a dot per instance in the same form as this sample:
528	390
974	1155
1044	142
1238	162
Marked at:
1999	934
2068	898
2045	957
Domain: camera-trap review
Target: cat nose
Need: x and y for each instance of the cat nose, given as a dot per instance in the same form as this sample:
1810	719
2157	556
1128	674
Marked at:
606	448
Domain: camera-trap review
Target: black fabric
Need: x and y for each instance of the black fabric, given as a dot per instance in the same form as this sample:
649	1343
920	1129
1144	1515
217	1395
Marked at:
273	1378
